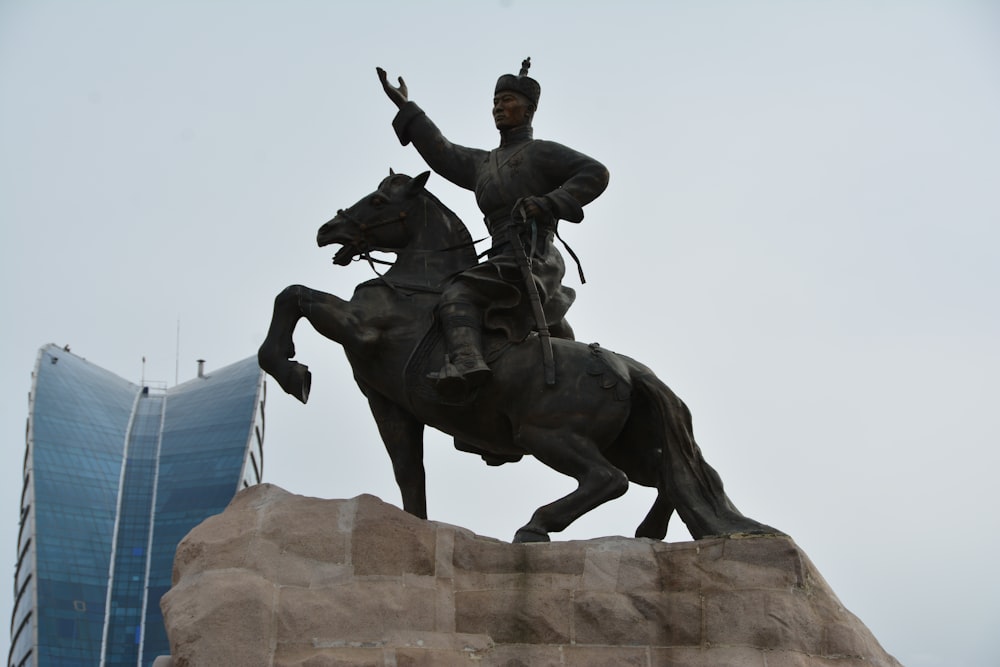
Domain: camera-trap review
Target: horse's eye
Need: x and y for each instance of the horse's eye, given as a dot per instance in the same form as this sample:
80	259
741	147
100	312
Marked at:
378	202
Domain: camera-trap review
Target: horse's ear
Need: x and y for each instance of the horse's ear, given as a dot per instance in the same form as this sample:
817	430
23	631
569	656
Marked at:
417	184
391	172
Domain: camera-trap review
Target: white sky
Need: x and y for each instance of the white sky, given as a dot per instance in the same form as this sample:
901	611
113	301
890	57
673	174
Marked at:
800	237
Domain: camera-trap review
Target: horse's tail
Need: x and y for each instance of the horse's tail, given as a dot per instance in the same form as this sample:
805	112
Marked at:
685	481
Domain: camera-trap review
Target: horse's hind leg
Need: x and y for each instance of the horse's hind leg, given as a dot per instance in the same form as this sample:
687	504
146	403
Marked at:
654	526
274	355
578	456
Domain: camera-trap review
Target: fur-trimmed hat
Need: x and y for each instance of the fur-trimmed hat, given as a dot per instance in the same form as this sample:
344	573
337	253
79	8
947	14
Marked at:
522	83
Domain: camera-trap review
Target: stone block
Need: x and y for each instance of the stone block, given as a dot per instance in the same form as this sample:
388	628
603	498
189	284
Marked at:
221	617
362	611
381	546
637	566
619	563
444	550
605	656
420	657
518	616
444	606
219	541
637	618
525	655
841	636
600	570
773	562
794	659
687	566
763	619
488	556
714	656
746	562
307	529
331	657
492	581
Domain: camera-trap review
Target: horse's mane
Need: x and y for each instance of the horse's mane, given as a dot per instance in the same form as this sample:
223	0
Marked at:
453	218
455	221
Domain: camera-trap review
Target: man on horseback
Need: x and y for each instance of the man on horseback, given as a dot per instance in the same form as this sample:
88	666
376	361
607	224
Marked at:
616	421
523	187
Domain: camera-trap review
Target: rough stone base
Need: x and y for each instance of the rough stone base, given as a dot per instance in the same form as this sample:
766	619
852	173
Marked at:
284	580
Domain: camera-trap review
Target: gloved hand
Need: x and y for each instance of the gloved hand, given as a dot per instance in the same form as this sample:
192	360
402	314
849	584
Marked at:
538	209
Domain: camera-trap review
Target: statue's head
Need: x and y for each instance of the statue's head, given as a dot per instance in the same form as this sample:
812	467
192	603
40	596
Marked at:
515	99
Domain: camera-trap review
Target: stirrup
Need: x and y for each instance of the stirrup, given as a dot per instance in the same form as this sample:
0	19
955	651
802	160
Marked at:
457	380
448	380
473	370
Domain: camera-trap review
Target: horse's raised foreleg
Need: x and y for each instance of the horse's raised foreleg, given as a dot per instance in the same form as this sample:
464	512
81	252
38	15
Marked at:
403	436
330	315
277	350
578	456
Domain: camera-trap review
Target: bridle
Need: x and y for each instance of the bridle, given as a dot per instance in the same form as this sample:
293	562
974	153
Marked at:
361	240
362	243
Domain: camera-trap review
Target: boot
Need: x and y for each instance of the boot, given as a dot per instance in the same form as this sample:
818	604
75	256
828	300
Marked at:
464	367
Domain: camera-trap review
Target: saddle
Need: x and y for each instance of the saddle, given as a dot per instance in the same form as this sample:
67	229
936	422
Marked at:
607	367
426	358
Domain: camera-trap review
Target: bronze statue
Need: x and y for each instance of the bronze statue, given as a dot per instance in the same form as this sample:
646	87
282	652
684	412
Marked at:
606	420
523	187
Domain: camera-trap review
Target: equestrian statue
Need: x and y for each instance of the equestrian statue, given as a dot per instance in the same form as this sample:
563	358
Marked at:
481	350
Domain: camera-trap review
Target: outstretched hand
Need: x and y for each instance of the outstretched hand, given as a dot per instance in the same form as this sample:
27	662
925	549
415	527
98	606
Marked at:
397	95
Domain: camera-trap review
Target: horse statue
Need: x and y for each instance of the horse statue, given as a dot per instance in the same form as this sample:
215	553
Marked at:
606	420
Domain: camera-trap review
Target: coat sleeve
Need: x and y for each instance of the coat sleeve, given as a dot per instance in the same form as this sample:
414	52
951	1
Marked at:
456	163
575	179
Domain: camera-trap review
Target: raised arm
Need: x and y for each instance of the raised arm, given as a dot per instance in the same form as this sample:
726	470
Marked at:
453	162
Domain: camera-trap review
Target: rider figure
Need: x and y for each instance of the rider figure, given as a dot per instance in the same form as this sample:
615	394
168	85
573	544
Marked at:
523	179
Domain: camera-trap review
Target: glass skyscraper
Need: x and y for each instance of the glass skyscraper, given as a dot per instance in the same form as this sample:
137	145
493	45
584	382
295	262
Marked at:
115	474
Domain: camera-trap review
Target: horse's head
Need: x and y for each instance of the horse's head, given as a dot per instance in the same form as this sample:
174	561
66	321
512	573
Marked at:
379	221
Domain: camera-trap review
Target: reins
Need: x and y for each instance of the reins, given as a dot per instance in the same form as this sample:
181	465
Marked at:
365	247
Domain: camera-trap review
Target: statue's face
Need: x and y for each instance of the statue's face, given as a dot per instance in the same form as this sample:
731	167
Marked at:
511	110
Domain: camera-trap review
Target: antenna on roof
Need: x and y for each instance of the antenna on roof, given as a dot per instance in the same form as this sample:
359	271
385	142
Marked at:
177	354
142	380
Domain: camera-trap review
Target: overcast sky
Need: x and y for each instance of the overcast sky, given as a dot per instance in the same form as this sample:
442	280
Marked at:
800	237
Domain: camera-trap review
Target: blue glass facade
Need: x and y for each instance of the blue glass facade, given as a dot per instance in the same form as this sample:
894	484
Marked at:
114	476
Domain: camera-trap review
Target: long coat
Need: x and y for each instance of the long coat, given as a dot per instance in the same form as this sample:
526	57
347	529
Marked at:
520	167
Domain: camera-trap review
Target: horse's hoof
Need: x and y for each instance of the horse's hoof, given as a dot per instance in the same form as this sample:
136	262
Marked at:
650	532
296	380
525	535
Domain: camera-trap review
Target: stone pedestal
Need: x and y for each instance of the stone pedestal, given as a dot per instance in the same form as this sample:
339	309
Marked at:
279	579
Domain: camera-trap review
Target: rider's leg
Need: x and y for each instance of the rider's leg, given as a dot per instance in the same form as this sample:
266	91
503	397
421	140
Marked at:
462	325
